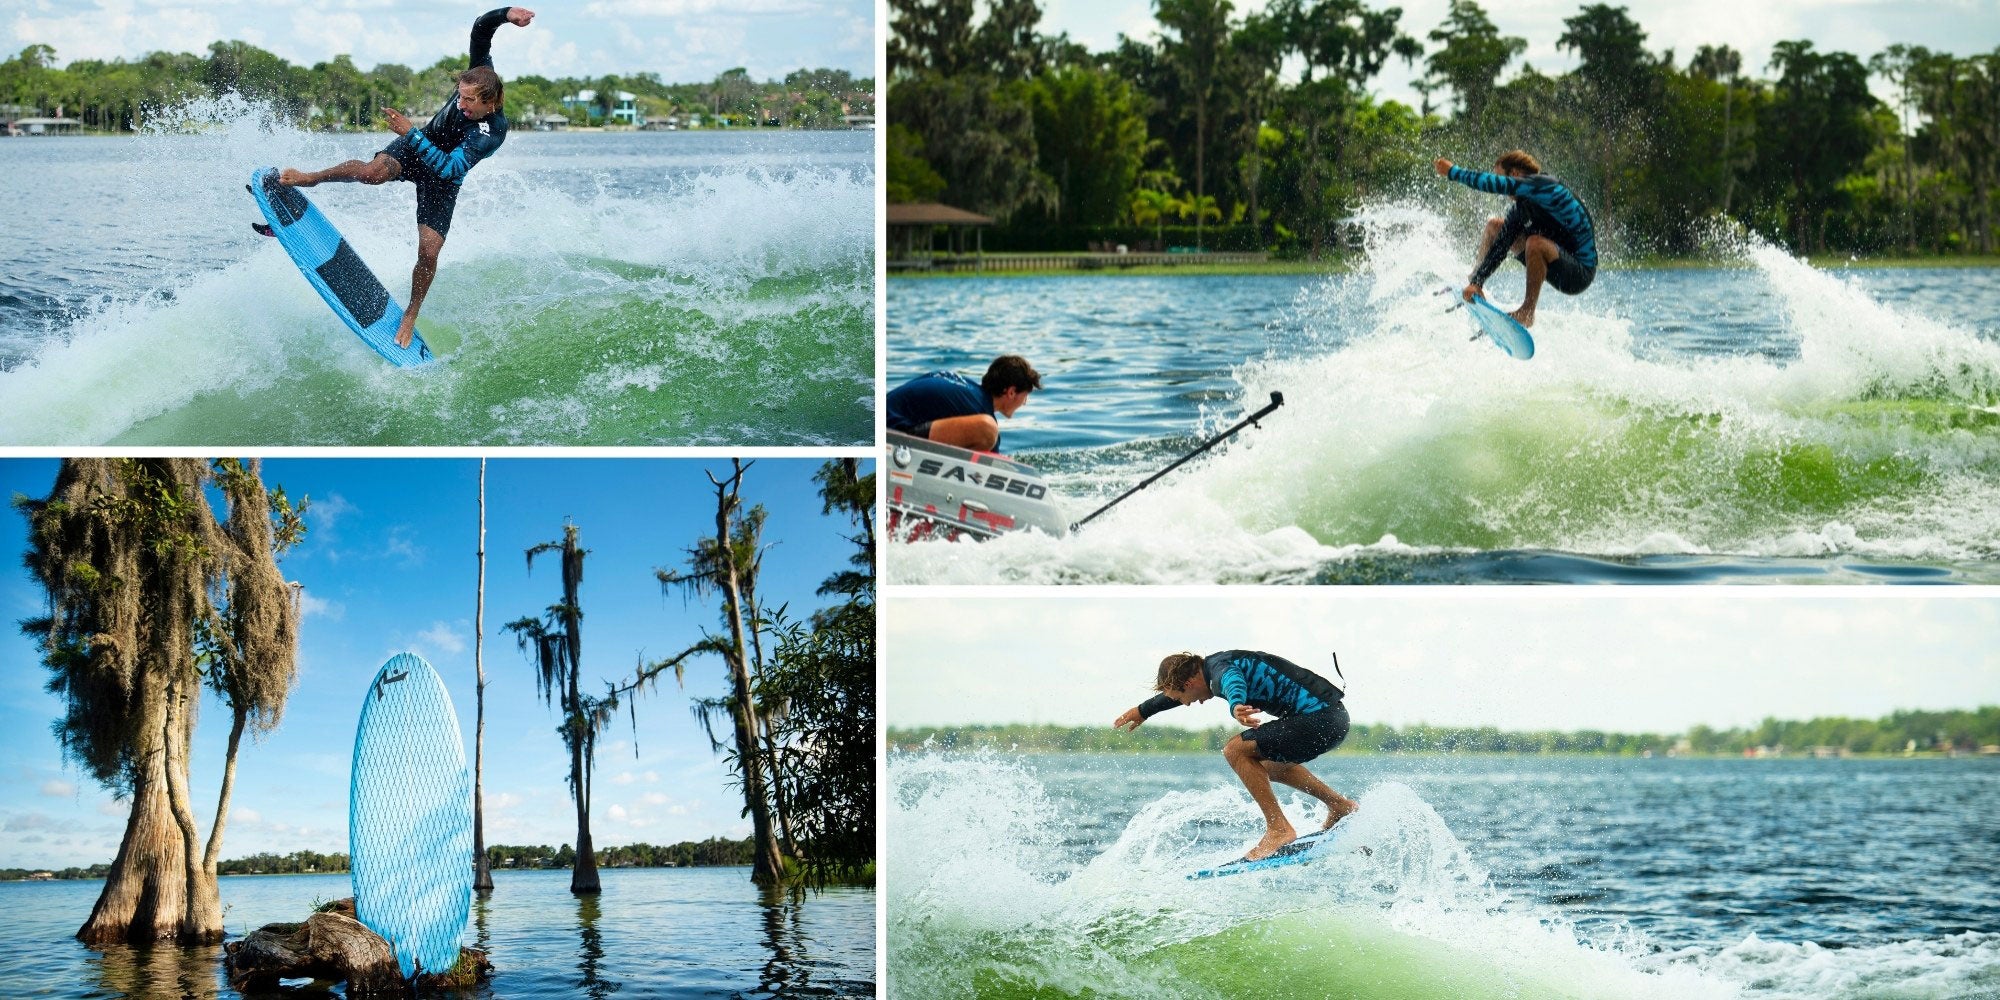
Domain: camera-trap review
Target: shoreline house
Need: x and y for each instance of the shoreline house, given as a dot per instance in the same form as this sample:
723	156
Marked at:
624	107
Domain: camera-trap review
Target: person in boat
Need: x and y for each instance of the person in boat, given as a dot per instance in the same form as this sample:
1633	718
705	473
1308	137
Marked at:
1547	229
436	157
949	408
1308	719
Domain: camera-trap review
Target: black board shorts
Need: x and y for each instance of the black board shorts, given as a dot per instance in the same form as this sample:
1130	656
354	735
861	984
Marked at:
1296	739
1565	274
436	198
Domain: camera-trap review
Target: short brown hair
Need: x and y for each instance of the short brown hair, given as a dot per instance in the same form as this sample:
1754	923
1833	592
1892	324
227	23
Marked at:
1518	159
485	82
1176	670
1010	371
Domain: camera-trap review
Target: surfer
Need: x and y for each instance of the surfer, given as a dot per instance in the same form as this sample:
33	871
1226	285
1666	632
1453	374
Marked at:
1548	229
436	157
949	408
1309	721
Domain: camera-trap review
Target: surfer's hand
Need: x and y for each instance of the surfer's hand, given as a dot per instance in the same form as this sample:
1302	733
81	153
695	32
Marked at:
520	15
398	122
1442	166
1245	715
1130	720
1473	292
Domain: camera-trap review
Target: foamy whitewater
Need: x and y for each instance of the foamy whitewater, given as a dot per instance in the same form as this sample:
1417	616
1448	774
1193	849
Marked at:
1773	418
998	887
676	288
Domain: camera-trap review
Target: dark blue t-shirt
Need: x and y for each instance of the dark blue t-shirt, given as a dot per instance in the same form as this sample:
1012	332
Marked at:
935	397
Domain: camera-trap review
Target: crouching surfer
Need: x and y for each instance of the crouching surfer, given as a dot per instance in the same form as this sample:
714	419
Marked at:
949	408
436	157
1547	229
1309	720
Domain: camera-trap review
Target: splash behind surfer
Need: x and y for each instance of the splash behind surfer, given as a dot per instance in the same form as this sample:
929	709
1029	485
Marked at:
436	157
1310	720
1547	229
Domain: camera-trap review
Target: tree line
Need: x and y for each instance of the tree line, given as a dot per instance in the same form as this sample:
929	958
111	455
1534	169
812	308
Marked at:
1259	132
120	95
715	851
1962	731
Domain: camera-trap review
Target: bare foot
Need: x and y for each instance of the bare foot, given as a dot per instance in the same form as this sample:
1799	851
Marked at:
1274	838
1525	317
406	332
294	178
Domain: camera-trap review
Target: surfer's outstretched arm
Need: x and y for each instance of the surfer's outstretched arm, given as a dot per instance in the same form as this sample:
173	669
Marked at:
490	22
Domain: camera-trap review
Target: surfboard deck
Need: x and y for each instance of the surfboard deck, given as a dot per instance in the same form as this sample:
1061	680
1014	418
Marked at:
1307	848
335	271
1503	329
409	827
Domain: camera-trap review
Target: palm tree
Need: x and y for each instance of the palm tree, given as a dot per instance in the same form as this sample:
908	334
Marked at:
150	597
1149	205
554	644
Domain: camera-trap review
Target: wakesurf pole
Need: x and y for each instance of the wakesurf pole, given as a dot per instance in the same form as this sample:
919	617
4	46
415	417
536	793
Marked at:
1277	400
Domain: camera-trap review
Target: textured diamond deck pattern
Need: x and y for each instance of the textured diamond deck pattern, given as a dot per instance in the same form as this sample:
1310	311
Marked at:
312	241
409	825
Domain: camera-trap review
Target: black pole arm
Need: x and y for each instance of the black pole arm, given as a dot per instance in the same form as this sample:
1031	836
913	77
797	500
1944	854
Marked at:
1277	400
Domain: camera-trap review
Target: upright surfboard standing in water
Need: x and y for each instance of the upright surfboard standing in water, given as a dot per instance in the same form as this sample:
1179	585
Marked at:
409	825
334	270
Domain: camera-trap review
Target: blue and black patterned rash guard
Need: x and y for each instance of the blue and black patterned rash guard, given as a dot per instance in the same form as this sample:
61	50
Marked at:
450	143
1264	681
1543	206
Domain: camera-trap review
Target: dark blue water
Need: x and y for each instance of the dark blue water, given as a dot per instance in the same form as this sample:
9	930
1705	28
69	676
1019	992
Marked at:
697	932
1579	876
1765	422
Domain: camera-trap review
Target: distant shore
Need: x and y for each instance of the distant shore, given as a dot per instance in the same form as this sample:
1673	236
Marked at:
1108	266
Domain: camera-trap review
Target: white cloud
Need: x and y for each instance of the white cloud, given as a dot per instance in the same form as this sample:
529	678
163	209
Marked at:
617	812
58	789
618	9
313	606
443	637
242	815
655	799
399	545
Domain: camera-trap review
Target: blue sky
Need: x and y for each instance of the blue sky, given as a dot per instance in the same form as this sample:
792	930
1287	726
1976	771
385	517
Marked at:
388	566
1862	27
683	40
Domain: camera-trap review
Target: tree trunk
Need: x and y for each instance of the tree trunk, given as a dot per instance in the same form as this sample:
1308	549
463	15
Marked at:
583	875
213	853
146	895
482	877
767	866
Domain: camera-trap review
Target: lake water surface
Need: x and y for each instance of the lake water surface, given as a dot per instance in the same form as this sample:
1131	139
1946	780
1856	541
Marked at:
1768	421
651	288
693	932
1064	875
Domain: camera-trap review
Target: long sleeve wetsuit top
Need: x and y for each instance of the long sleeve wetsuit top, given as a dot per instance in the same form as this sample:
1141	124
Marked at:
1543	206
450	143
1264	681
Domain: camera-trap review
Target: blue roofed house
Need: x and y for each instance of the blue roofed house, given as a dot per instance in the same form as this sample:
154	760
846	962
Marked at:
624	109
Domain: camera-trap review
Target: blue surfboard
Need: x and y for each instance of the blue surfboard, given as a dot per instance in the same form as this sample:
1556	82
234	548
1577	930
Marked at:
409	820
1317	844
1505	331
334	270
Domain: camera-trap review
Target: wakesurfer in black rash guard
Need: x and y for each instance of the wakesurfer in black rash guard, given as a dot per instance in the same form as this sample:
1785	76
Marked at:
1548	230
436	157
1309	720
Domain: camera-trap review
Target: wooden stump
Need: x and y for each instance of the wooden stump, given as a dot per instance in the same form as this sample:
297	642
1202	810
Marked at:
332	946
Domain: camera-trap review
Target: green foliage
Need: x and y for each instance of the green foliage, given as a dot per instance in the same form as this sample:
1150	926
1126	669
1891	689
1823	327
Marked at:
1955	731
338	95
910	176
1269	114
